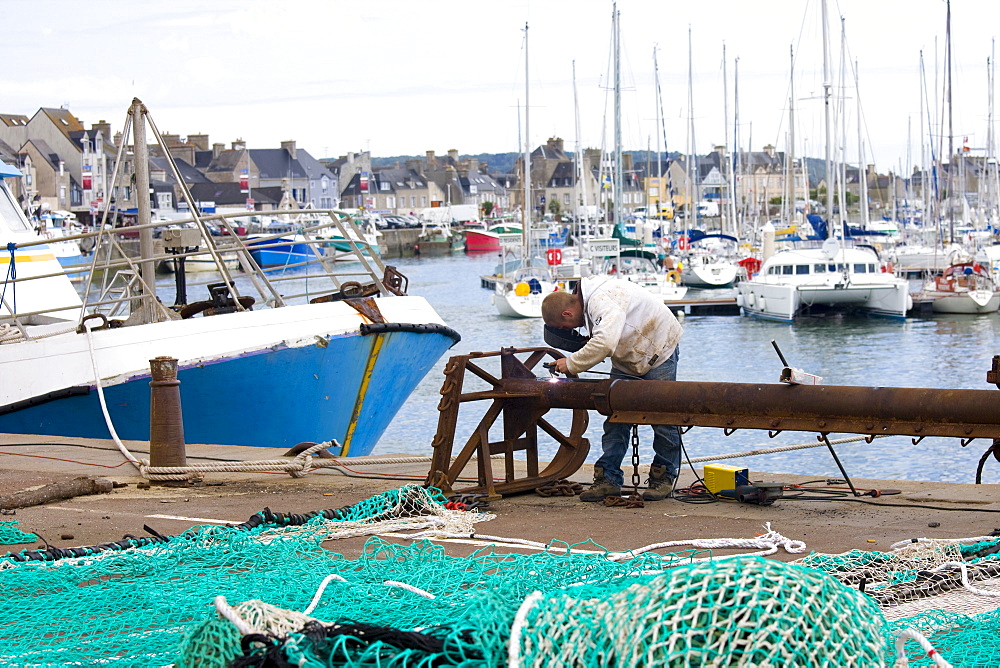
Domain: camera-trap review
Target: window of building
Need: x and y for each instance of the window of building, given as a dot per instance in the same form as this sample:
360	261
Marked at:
384	185
566	199
390	202
423	201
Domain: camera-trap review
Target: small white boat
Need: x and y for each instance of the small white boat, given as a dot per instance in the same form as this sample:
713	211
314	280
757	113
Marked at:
520	295
640	267
963	288
705	262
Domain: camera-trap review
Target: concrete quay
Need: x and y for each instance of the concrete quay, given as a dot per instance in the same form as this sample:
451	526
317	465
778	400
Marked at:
919	509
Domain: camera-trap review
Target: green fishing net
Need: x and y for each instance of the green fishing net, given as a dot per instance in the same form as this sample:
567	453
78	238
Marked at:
268	593
11	535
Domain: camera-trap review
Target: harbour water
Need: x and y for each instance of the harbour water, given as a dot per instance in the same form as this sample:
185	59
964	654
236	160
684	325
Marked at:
939	352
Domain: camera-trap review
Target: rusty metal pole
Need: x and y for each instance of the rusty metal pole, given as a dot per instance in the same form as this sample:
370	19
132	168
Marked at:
166	423
522	400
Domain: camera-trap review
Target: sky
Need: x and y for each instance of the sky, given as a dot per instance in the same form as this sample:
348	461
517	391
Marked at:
399	77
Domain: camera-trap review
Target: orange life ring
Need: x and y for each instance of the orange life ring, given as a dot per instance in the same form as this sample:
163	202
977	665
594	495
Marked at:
683	243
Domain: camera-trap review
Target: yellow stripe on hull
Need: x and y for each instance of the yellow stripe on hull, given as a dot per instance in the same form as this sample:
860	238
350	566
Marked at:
27	258
362	393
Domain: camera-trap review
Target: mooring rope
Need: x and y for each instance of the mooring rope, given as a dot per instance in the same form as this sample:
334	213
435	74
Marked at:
781	448
104	404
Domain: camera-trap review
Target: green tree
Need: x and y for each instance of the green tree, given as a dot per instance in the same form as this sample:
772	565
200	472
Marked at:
487	208
555	208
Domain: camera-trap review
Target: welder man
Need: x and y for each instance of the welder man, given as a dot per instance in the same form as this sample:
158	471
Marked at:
641	336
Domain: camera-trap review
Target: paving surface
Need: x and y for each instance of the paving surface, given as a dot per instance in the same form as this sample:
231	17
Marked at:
920	509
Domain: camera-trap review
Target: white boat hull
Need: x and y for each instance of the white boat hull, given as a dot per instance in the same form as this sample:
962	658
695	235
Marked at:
797	282
277	384
709	274
972	302
512	305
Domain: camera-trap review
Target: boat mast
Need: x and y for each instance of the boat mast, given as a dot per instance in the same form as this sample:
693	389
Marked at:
659	155
526	213
842	139
827	86
862	167
737	167
693	196
791	133
147	267
727	169
991	159
617	194
577	163
951	138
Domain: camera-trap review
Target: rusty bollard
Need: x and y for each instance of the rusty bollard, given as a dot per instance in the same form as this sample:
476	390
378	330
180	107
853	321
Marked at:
166	423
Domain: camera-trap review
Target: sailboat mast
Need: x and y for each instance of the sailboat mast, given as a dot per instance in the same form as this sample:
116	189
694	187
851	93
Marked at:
577	162
791	132
656	129
727	170
862	167
661	133
827	86
991	158
737	166
147	268
694	195
619	223
526	214
951	138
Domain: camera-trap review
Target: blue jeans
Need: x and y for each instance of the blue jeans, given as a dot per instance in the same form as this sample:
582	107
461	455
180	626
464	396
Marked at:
666	438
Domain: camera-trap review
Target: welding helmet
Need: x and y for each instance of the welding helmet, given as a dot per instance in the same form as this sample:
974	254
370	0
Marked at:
564	338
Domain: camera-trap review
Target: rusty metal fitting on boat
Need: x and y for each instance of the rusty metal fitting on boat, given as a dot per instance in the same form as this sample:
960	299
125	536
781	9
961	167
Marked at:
166	422
993	375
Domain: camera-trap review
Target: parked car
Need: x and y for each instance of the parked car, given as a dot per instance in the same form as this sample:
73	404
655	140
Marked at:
394	222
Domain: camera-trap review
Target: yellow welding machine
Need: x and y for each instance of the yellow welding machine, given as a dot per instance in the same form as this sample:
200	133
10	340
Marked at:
720	476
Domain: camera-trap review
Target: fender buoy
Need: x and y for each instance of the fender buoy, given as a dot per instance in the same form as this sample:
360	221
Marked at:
683	243
674	276
522	289
554	256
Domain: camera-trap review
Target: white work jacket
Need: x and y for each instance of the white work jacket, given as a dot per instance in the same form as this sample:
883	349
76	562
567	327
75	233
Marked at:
626	323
